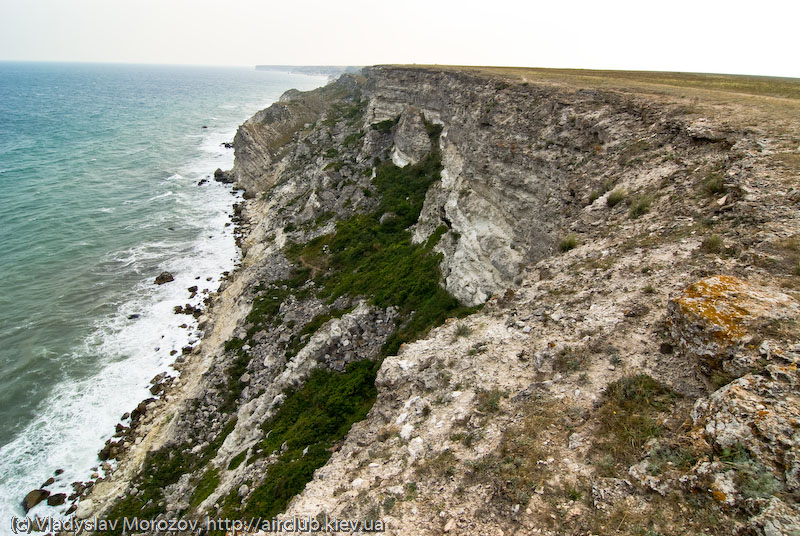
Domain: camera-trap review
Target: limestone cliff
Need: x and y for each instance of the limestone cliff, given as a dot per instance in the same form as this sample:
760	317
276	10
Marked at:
496	301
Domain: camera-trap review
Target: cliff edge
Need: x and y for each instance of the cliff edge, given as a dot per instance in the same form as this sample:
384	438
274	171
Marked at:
497	300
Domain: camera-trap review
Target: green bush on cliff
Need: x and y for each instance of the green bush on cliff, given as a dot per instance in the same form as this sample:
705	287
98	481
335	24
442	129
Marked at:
370	255
161	468
205	487
267	304
365	257
385	126
310	421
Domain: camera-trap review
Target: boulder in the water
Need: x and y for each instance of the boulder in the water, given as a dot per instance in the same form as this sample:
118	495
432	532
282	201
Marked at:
223	176
57	499
164	277
33	498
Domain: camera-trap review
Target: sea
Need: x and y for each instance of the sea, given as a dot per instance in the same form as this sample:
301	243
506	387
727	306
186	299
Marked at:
102	188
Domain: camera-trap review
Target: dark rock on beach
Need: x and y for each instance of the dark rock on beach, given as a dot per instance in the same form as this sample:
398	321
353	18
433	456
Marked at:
33	498
164	277
223	176
57	499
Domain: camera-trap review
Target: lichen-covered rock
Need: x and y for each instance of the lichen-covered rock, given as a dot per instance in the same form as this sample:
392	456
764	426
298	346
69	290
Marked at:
759	414
778	519
720	316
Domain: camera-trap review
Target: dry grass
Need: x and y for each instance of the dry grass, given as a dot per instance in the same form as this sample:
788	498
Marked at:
768	86
515	470
631	414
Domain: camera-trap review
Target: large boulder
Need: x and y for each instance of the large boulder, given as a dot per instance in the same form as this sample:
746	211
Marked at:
164	277
224	177
759	413
33	498
57	499
720	320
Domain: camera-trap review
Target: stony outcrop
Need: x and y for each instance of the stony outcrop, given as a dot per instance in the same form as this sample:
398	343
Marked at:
258	142
718	318
411	140
164	277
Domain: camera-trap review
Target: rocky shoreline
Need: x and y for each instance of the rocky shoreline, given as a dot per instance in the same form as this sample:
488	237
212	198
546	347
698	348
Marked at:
129	433
539	303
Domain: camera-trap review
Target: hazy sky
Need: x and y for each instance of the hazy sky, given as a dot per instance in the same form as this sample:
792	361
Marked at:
758	37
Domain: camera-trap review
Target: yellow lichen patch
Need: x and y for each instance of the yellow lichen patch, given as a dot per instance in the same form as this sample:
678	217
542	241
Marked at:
728	308
719	495
714	300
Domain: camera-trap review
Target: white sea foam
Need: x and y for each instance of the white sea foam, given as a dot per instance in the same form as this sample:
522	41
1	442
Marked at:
131	346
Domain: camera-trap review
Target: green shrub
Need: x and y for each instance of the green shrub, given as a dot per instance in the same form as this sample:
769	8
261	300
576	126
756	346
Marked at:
713	184
617	196
567	361
489	401
385	126
462	330
607	185
640	206
267	304
712	244
237	460
369	258
628	416
205	487
161	468
568	242
752	479
309	422
671	456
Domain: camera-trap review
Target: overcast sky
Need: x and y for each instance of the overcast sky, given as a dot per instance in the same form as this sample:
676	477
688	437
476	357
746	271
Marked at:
705	36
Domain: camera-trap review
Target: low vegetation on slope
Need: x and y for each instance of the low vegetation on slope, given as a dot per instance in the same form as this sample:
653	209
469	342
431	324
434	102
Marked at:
368	255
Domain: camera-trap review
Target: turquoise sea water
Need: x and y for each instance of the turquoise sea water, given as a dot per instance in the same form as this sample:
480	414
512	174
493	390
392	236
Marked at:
99	172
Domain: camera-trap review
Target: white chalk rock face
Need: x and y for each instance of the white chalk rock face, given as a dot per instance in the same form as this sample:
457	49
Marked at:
411	140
